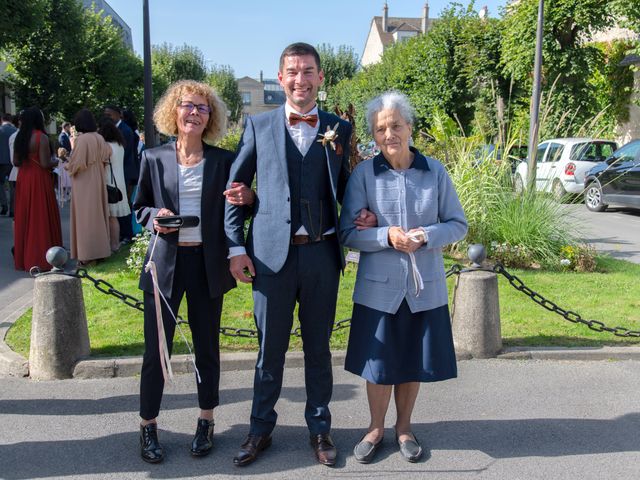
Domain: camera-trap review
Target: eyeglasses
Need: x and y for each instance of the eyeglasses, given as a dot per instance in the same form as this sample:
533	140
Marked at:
202	108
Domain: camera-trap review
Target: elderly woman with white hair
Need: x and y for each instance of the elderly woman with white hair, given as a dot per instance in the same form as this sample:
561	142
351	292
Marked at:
400	328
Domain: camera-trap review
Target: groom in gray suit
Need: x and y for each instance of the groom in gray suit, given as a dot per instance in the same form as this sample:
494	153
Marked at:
292	253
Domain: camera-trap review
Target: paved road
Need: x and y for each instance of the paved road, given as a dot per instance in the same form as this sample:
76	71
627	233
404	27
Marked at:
615	231
501	419
15	286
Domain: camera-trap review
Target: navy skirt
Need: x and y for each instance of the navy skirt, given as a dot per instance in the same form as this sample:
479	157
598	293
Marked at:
390	349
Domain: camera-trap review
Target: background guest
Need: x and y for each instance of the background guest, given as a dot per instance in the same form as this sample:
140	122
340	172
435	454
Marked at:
6	130
89	207
131	164
114	174
400	327
37	218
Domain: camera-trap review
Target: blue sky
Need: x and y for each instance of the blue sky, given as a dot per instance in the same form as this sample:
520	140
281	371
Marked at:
249	35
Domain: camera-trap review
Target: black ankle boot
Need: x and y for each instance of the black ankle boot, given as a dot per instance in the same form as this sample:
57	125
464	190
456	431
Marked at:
150	449
203	441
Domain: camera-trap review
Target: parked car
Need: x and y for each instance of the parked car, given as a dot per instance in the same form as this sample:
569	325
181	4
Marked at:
616	181
562	164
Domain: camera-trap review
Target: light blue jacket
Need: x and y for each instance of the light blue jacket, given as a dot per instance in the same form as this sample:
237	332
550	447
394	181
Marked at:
421	196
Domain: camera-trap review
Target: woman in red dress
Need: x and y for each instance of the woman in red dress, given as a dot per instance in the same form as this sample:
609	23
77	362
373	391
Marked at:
37	218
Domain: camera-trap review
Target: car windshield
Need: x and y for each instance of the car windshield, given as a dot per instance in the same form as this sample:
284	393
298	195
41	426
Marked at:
592	151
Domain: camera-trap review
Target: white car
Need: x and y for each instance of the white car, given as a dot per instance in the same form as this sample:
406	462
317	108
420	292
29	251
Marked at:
562	164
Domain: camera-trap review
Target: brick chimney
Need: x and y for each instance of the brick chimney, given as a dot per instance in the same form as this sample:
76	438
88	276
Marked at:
425	17
260	76
385	17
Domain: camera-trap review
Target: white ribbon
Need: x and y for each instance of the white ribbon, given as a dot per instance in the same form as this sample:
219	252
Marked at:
418	284
165	359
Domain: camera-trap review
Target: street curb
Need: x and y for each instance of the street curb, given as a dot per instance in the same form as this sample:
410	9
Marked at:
11	362
16	365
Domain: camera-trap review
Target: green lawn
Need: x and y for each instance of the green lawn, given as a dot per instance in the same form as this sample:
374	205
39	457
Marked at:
607	295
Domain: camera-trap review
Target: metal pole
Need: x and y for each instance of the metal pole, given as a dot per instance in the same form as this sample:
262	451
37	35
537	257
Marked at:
535	103
149	132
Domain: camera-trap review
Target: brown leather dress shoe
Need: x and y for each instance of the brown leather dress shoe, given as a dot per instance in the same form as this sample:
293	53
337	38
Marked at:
250	449
324	448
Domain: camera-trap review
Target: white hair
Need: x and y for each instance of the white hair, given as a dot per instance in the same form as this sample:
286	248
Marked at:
392	100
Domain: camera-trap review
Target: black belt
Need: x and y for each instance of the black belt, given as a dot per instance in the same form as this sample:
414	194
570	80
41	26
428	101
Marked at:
304	239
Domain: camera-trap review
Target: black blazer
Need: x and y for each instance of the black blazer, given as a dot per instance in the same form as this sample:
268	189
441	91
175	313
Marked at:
131	167
158	188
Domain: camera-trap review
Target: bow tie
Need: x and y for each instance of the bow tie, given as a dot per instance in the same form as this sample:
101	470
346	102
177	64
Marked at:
311	120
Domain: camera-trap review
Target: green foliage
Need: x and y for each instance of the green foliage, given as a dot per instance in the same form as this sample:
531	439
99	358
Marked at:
71	59
18	19
223	81
567	59
337	64
170	64
231	140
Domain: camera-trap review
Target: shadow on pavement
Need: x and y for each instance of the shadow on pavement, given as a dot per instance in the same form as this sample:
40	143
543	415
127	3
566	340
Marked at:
290	450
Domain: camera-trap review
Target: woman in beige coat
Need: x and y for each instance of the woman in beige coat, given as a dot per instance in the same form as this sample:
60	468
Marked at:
89	206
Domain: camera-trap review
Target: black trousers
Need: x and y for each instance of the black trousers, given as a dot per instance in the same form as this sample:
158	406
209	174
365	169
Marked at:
204	320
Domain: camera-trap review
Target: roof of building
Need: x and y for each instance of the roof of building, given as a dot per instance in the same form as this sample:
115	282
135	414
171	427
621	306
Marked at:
401	24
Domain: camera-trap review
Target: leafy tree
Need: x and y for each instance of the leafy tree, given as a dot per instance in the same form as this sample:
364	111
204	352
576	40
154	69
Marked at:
337	64
43	64
73	58
223	80
568	59
170	64
18	19
107	72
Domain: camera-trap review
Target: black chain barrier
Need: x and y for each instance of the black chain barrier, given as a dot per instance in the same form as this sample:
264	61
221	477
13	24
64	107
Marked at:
568	315
108	289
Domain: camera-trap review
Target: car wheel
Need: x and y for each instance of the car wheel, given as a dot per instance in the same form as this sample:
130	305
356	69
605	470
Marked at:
558	191
518	185
593	197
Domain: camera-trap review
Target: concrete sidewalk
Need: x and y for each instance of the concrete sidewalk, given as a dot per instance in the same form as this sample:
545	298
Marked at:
498	420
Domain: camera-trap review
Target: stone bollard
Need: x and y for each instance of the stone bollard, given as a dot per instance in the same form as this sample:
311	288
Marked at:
476	315
59	334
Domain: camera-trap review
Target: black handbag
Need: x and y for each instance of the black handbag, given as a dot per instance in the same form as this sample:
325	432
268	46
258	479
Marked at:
114	195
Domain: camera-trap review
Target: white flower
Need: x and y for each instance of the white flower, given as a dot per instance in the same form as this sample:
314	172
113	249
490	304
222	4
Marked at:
565	262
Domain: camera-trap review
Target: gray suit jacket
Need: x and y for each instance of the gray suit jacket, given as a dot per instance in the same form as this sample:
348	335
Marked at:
262	154
5	132
158	188
424	197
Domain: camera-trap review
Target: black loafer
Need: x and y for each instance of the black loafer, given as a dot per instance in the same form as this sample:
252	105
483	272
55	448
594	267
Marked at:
365	451
150	449
203	440
411	450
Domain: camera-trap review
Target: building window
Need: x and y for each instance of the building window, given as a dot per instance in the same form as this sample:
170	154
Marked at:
246	98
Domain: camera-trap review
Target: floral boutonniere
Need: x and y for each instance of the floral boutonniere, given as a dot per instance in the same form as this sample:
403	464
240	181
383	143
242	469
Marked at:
329	137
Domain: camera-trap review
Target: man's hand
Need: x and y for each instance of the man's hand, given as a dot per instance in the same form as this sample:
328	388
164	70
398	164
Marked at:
241	268
163	212
365	220
400	241
239	194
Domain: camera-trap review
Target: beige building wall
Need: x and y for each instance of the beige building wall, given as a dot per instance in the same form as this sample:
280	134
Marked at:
631	130
248	85
373	48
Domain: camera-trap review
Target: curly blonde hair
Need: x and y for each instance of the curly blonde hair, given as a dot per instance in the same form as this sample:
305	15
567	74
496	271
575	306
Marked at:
166	112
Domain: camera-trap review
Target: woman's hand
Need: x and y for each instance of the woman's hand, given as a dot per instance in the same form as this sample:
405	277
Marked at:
239	194
163	212
401	241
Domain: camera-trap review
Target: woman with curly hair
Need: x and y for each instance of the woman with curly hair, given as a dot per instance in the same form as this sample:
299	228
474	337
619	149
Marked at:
185	177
